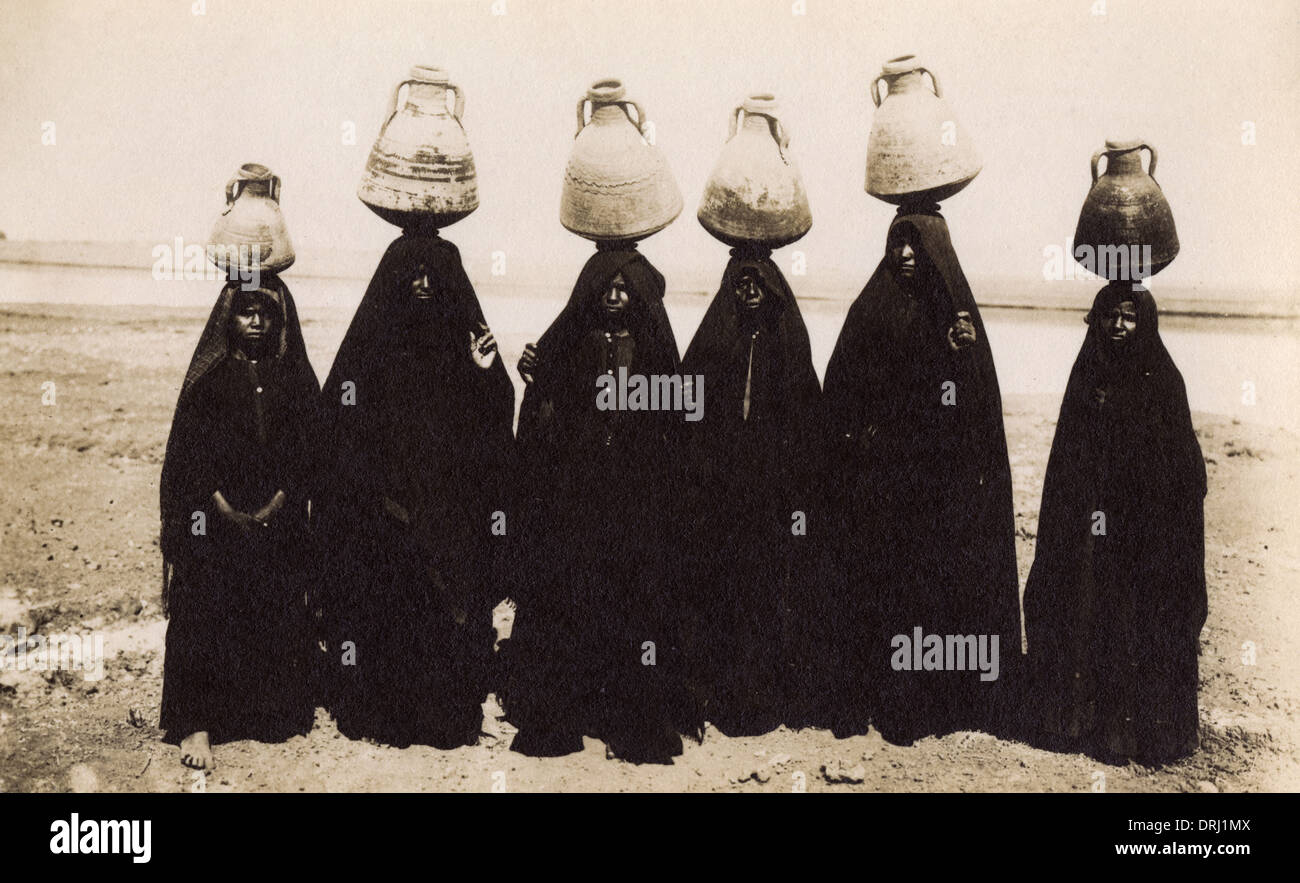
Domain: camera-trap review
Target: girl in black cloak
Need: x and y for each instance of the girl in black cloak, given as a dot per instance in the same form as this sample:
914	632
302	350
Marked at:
750	464
417	412
926	519
596	590
1116	597
234	492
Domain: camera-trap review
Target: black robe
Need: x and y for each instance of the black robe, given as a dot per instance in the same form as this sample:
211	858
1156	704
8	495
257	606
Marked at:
597	581
926	521
237	656
750	464
411	582
1113	618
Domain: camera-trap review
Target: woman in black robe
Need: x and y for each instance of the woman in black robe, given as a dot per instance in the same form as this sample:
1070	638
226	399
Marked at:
596	588
750	465
923	491
417	412
234	497
1116	598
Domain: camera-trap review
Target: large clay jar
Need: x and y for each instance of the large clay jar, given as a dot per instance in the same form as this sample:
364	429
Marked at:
755	194
250	235
420	172
1125	210
917	151
617	185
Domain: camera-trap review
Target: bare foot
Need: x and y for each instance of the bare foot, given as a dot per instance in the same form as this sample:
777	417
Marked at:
196	752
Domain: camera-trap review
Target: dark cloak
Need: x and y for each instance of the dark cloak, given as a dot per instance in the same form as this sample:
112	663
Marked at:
429	431
597	581
238	638
1113	620
754	614
926	521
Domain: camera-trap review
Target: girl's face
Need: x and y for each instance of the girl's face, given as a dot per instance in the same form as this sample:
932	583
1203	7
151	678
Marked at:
253	321
1120	322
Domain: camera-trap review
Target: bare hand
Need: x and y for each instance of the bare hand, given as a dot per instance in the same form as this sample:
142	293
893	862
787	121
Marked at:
962	332
528	362
483	346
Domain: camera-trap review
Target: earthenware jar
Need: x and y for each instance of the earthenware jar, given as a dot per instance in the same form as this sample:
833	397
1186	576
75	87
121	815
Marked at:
420	172
250	235
755	193
1125	209
917	150
617	185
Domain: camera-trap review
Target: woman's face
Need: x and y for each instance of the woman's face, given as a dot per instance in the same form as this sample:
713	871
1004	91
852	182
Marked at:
615	300
902	254
1120	322
422	284
749	292
253	321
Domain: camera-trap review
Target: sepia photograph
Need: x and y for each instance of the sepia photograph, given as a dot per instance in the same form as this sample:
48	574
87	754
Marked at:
859	397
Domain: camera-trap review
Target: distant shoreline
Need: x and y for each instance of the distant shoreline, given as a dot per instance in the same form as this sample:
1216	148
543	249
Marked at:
1011	293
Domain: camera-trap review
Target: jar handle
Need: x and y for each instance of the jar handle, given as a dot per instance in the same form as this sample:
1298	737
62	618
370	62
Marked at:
275	188
736	114
458	109
774	127
1096	158
582	115
392	105
934	81
1151	168
875	90
938	92
639	122
233	188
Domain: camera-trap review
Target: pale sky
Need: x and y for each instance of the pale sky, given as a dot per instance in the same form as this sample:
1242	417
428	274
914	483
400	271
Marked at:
154	107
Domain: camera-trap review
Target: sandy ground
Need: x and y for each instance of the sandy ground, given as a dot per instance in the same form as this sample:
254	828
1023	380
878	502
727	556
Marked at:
78	488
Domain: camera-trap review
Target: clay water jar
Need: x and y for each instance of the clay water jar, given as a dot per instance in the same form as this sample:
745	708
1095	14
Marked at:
250	235
420	172
1126	208
917	150
755	193
617	185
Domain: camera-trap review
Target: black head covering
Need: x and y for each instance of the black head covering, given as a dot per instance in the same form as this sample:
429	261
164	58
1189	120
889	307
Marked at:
1144	352
290	362
879	351
388	312
390	319
214	342
559	375
1142	386
785	383
647	319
